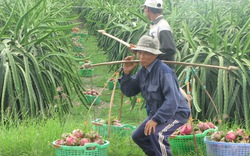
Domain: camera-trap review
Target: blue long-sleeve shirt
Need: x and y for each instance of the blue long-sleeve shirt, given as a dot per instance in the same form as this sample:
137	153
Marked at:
158	85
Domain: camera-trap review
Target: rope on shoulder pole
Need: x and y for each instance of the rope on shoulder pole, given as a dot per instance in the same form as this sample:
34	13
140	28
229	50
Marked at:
169	62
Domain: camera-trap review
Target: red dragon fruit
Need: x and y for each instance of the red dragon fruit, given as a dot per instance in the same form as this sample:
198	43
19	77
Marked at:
84	141
71	140
65	135
78	133
186	129
211	125
230	136
240	132
60	142
99	141
217	136
203	126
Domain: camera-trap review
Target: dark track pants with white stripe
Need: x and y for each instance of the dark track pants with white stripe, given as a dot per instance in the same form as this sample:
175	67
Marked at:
156	144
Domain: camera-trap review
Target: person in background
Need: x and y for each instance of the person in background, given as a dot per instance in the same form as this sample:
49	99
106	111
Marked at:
158	85
160	29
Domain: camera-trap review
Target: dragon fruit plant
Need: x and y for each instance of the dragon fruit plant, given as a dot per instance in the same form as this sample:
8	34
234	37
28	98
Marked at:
78	138
234	136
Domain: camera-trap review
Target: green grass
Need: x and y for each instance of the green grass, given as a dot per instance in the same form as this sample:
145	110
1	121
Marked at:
35	139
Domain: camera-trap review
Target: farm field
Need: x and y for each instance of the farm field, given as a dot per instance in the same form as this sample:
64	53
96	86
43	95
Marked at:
42	88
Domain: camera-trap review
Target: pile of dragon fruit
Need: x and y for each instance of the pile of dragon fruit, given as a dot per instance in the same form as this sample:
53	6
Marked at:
194	128
114	122
234	136
79	138
91	92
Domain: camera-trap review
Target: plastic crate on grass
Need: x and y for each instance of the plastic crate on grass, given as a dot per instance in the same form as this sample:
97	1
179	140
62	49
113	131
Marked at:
123	130
111	85
85	62
183	144
91	98
85	72
226	149
89	149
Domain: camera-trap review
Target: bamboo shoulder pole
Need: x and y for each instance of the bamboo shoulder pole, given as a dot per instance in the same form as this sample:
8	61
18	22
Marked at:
115	38
169	62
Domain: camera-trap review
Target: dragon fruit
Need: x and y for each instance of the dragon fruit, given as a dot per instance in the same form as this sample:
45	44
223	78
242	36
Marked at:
203	126
71	140
186	129
78	133
217	136
231	136
84	141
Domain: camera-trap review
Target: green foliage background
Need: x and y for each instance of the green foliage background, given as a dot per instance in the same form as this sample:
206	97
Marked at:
35	55
36	64
36	60
206	32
